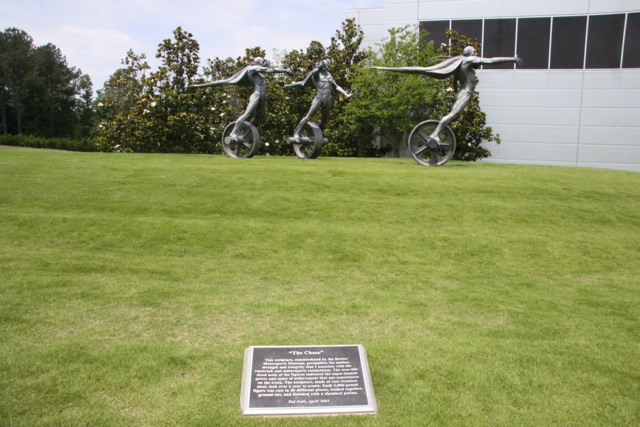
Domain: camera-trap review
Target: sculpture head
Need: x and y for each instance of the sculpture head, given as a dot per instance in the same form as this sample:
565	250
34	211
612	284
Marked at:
469	51
323	65
261	61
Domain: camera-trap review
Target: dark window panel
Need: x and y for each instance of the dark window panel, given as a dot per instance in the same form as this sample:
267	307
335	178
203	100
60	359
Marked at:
604	42
533	42
469	27
436	31
567	44
632	42
499	40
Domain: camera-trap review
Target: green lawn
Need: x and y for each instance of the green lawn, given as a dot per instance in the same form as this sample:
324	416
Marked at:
484	294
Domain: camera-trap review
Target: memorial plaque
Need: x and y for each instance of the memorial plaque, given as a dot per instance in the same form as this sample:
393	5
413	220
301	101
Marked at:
306	380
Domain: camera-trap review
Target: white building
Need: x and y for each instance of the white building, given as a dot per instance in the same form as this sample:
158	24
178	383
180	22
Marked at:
576	99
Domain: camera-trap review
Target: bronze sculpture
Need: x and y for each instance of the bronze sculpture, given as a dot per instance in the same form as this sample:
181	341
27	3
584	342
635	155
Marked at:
433	142
241	138
307	138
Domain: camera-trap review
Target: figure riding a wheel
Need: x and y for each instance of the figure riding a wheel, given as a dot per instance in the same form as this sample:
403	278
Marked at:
241	138
307	138
432	142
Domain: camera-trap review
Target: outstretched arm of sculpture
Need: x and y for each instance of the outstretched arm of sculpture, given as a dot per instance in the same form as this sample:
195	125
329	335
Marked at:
341	90
275	70
302	82
216	83
408	70
498	60
295	84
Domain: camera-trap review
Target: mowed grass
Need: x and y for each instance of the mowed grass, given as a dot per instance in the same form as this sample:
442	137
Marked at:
484	294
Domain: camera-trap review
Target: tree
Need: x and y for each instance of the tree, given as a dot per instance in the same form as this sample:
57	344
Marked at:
119	106
389	105
52	90
40	94
345	56
174	111
84	107
16	64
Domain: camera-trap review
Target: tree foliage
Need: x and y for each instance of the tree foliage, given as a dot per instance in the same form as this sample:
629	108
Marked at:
152	111
388	105
40	94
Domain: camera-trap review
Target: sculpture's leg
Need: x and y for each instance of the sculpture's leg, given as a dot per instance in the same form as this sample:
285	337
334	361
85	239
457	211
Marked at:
326	109
315	106
463	97
254	102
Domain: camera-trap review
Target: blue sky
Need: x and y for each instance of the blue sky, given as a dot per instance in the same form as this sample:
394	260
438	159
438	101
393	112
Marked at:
95	35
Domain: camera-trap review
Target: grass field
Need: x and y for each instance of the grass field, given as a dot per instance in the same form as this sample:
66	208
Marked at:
484	294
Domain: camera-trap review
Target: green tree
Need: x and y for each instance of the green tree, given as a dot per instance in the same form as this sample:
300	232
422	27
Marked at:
52	90
15	69
174	111
4	82
345	55
40	94
388	105
84	107
119	106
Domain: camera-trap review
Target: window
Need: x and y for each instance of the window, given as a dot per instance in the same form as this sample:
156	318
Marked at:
604	43
632	42
564	42
533	42
499	40
436	31
470	28
567	42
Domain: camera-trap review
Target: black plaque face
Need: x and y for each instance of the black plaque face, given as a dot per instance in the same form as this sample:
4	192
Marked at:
281	380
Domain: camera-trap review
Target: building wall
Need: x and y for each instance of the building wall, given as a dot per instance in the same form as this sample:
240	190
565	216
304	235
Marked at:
577	117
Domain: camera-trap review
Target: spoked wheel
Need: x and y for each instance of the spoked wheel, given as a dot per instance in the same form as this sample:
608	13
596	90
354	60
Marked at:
428	151
245	145
309	144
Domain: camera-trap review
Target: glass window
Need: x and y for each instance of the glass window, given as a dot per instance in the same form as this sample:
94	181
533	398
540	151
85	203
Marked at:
604	42
632	42
533	42
436	31
567	43
469	27
499	40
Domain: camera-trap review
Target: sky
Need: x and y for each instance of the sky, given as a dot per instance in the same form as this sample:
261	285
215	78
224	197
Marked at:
95	35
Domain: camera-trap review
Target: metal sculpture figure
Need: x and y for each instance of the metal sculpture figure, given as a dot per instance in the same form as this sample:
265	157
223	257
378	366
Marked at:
307	138
432	142
241	137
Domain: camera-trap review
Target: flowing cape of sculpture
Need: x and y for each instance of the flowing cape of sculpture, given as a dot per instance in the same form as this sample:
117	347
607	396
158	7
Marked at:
432	142
308	138
241	138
